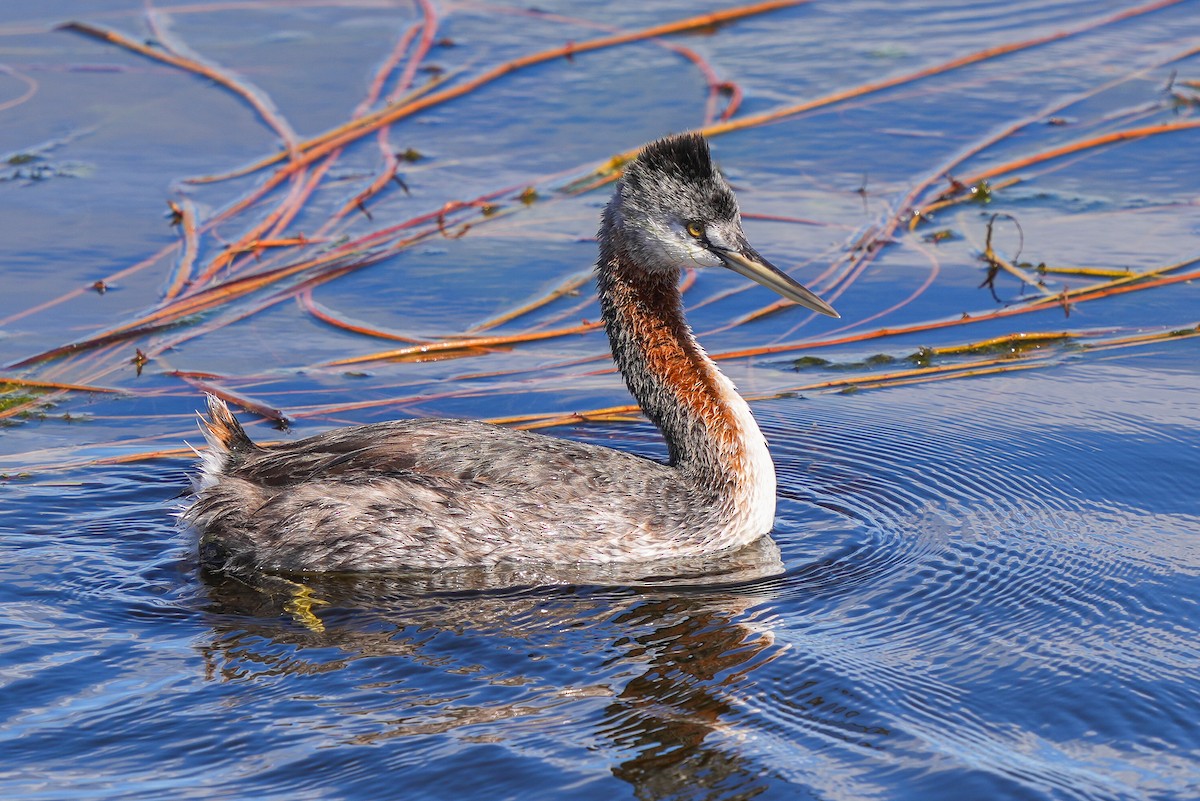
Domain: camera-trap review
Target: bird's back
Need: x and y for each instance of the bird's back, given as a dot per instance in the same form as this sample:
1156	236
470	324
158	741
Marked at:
439	493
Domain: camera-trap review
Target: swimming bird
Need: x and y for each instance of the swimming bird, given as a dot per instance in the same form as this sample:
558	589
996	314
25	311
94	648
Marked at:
443	493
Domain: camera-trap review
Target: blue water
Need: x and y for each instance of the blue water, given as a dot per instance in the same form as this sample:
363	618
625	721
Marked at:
981	588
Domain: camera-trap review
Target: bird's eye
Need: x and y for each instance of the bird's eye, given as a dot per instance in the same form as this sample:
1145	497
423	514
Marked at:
695	229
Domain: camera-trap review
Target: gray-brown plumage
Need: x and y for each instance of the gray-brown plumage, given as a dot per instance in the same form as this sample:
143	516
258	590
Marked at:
435	493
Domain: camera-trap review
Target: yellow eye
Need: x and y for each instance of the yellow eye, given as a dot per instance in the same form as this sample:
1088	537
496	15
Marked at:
695	229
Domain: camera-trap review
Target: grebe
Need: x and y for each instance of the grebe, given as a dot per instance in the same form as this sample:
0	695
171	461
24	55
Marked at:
441	493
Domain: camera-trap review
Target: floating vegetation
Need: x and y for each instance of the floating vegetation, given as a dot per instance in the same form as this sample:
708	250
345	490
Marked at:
17	405
870	363
232	261
28	168
1011	346
34	164
937	237
11	398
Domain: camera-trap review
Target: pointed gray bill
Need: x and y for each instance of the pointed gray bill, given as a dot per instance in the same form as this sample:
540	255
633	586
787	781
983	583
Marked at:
761	271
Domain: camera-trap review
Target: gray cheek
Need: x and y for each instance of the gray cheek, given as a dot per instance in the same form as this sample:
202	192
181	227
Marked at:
687	253
659	247
660	250
701	256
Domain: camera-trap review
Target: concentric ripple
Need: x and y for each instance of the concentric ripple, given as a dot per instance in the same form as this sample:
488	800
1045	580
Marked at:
1015	567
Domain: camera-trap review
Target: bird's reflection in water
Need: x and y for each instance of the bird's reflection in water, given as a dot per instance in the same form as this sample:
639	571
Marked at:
641	663
663	717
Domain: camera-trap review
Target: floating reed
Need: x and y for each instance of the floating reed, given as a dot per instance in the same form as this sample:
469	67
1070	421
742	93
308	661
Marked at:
209	283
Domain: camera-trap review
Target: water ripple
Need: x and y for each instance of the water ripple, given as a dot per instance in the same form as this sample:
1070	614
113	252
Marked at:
1002	569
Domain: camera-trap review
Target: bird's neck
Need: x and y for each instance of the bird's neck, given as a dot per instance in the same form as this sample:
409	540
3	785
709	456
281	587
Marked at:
711	435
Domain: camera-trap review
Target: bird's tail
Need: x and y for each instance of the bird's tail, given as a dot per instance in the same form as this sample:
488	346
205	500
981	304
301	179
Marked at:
222	429
227	443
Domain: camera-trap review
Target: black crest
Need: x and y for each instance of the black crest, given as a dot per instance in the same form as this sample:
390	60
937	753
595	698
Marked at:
684	156
675	175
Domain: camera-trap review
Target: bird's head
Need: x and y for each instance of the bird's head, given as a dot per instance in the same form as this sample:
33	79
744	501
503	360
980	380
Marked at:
673	209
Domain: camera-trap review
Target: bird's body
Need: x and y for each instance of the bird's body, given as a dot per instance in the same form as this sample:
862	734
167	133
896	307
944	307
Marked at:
435	493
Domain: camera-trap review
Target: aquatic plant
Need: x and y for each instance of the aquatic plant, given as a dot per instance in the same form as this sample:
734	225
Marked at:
210	283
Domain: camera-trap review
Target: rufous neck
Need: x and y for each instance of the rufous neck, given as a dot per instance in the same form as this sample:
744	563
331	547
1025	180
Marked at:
707	425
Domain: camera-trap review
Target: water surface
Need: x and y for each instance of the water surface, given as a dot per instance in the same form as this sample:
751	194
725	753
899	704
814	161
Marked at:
979	587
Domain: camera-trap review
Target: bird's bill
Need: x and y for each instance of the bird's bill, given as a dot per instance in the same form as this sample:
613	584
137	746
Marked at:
761	271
